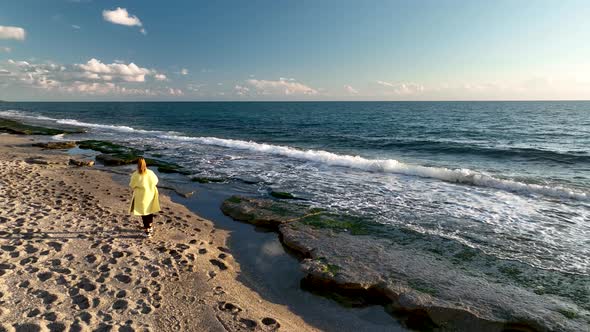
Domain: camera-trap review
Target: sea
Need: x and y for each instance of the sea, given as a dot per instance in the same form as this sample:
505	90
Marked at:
511	179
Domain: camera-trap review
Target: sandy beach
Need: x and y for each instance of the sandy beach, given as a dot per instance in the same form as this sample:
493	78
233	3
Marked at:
73	259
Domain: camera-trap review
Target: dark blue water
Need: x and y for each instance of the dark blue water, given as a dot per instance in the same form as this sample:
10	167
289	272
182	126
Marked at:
511	178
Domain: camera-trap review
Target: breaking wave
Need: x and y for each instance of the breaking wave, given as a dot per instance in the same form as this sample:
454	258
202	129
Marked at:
461	176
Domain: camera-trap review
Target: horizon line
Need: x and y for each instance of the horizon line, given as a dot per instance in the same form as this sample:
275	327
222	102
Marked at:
285	101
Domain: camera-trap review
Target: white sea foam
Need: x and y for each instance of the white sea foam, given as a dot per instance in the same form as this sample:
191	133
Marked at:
462	176
72	122
77	123
21	115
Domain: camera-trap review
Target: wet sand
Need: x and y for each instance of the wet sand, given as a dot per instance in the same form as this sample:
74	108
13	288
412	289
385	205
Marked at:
72	258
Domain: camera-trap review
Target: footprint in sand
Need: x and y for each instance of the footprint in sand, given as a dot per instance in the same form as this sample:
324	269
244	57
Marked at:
44	276
47	297
27	327
120	305
34	312
86	285
90	259
229	307
222	249
248	323
271	323
86	317
121	294
218	290
55	327
81	302
50	316
219	264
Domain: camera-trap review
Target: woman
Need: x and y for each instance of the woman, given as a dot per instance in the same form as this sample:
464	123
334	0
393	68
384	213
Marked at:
145	200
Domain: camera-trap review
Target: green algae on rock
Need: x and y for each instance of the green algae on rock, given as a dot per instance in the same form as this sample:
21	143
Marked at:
282	195
107	147
273	213
166	167
18	128
56	145
116	155
261	212
203	179
117	159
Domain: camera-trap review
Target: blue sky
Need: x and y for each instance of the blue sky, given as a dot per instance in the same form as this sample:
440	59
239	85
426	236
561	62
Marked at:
294	50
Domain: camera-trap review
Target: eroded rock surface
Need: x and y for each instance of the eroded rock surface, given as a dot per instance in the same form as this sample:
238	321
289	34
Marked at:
425	288
262	212
87	163
19	128
56	145
113	154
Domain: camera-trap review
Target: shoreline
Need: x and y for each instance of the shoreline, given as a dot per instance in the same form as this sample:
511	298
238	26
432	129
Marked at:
274	271
72	257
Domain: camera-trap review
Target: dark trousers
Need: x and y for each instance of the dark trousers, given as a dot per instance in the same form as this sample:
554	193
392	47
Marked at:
147	220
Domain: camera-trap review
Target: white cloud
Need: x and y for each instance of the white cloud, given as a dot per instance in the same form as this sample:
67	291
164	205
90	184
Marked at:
90	78
241	90
350	90
5	49
106	88
184	71
175	92
122	17
160	77
391	85
95	69
75	26
195	87
286	87
402	88
7	32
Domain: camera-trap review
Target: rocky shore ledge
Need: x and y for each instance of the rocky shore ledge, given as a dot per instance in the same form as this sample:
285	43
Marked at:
422	288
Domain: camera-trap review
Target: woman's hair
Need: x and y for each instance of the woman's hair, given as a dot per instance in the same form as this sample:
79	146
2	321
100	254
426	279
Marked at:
141	166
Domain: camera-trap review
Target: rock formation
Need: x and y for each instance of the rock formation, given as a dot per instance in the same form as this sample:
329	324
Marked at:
341	255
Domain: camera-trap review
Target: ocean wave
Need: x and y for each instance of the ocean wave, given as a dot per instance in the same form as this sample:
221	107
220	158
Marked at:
459	148
460	176
58	137
21	115
72	122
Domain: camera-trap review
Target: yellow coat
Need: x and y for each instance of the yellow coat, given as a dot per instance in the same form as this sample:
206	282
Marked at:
145	194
